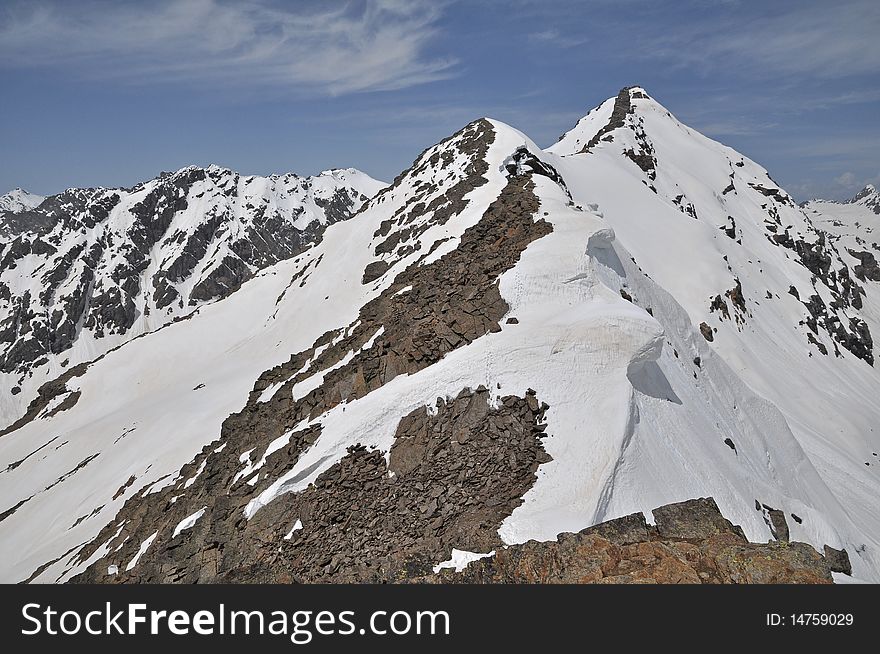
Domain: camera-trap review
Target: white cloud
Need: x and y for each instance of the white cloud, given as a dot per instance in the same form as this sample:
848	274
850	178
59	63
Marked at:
554	37
846	180
333	47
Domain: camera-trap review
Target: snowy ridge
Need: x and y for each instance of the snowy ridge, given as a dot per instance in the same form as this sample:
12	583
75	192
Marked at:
746	234
667	319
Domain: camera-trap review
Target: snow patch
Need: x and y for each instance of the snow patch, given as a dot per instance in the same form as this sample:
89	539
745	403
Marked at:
188	522
296	527
460	560
143	548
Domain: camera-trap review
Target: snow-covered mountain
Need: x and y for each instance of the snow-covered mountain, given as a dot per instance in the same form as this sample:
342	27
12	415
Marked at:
854	227
506	344
89	269
19	200
863	203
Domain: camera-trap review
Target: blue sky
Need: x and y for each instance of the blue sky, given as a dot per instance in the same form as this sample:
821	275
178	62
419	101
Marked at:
110	93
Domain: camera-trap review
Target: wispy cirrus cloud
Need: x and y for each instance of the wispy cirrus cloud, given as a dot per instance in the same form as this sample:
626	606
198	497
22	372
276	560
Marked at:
332	47
819	39
555	37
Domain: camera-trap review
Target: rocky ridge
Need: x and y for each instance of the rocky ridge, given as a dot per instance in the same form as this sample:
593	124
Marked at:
491	453
690	543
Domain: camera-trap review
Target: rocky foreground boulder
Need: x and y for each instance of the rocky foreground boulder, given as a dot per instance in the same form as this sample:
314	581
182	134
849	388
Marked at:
691	543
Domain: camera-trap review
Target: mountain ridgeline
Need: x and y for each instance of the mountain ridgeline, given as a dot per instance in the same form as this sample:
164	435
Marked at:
512	364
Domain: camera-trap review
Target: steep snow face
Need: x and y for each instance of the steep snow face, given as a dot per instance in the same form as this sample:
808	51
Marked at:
18	200
784	304
89	269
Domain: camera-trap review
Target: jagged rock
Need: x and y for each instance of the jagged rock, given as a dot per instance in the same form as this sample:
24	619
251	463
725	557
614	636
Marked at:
706	331
621	531
838	560
622	108
374	271
718	304
867	267
693	519
778	525
789	563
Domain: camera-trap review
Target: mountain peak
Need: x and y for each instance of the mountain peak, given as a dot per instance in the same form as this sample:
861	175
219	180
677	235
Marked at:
635	92
599	123
19	199
868	198
127	261
864	193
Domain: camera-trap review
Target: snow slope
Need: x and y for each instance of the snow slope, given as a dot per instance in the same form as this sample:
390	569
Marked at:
644	409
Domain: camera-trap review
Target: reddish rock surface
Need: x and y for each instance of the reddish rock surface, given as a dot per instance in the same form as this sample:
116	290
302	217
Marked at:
692	543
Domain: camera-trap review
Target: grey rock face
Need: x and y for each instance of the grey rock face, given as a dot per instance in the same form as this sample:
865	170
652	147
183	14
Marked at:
621	531
693	519
838	560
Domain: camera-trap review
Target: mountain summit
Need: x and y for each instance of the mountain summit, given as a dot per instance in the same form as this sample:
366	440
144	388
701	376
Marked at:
504	345
18	200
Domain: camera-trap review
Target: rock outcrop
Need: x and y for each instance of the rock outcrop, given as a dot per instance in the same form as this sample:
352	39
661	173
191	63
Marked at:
691	543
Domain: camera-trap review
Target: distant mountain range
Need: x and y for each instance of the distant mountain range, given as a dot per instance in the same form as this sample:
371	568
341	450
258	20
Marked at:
87	270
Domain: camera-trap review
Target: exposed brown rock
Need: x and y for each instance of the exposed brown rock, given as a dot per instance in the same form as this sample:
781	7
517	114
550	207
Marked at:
621	531
691	544
838	560
694	519
452	478
622	108
706	331
374	271
778	524
48	392
784	563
